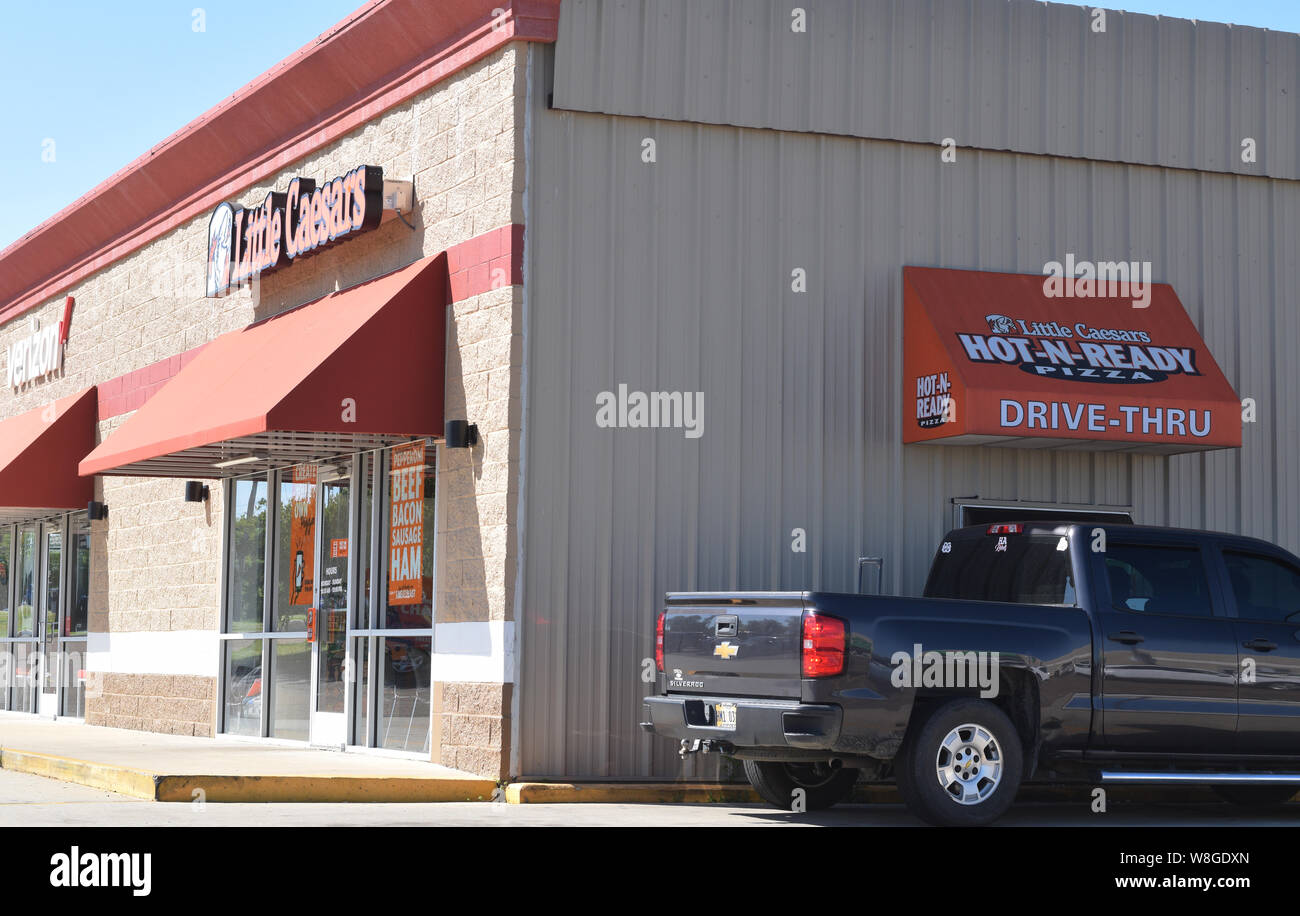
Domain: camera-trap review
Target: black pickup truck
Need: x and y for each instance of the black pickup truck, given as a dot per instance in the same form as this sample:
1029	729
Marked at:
1039	651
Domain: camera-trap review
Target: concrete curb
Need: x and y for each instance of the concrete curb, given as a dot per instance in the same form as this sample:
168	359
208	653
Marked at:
625	793
136	783
154	786
668	793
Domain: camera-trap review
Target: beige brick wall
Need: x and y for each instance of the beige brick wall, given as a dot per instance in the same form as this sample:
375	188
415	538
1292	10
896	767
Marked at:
172	705
156	559
471	725
476	547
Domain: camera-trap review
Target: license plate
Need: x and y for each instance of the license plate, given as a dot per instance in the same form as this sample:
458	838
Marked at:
724	716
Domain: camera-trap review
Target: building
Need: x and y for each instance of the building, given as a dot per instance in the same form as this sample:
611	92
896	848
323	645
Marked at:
734	299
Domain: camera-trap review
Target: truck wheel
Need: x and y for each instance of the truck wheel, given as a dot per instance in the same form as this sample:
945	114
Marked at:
1256	796
962	767
822	784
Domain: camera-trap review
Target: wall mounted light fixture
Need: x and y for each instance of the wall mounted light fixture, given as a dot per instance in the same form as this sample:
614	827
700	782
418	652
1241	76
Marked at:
96	511
196	492
460	434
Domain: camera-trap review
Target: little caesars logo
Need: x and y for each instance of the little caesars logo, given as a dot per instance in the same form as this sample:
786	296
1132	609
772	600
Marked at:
1079	352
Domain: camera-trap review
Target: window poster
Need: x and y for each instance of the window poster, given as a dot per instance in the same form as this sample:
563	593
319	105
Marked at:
302	535
406	525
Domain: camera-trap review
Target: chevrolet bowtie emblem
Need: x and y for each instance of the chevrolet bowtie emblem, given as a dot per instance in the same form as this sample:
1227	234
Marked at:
725	650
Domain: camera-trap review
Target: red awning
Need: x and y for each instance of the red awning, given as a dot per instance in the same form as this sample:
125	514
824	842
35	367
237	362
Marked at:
361	368
1015	359
39	451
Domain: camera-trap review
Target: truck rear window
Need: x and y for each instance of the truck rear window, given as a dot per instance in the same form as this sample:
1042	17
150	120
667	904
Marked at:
1019	568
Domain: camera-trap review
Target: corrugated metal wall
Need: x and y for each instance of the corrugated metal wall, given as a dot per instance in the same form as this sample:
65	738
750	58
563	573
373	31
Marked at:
995	74
676	276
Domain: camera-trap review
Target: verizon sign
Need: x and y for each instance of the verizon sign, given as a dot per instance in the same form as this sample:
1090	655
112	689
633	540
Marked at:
39	354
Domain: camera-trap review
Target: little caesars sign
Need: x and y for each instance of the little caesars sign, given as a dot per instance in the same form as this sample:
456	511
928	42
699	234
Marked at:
242	244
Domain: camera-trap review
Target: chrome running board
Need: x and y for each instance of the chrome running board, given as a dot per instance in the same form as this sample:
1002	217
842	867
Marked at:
1203	778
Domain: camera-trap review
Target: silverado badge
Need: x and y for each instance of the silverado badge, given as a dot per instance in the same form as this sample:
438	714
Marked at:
725	650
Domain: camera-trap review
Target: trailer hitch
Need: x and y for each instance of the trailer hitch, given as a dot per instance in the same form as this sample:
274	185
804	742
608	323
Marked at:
702	746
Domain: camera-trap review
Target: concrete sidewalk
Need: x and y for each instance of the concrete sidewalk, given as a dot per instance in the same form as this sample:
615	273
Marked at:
176	768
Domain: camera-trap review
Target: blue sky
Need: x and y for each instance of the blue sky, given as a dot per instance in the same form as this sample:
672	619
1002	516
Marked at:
106	80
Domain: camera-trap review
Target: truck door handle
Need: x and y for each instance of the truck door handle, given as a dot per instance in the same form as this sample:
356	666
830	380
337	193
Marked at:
1128	637
1260	645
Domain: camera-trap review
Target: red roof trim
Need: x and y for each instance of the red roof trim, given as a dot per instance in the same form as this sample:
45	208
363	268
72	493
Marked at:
387	52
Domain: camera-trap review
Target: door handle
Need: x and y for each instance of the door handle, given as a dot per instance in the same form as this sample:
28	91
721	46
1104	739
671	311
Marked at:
1128	637
1260	645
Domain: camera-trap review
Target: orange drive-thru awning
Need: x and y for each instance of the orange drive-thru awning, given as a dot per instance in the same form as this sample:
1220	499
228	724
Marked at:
39	451
1050	362
361	368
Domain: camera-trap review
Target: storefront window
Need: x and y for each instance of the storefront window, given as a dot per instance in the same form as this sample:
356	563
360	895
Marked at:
25	612
247	581
243	687
6	547
404	725
409	527
352	533
53	582
6	563
295	561
290	688
73	658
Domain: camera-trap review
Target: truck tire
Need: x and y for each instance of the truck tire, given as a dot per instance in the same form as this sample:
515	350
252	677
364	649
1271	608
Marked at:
822	785
963	765
1256	796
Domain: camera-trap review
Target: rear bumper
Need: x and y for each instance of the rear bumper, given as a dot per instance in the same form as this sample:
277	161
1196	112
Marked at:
759	723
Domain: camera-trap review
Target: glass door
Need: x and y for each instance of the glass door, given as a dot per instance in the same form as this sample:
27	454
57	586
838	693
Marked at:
333	591
23	622
49	594
75	623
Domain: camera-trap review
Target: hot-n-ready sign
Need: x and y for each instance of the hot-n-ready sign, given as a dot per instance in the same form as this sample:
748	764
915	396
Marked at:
991	358
243	244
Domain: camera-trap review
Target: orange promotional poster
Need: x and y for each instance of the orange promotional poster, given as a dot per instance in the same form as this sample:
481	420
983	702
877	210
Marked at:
406	526
302	535
1036	360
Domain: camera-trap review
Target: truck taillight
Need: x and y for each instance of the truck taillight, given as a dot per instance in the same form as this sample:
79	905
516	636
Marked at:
1005	529
825	641
659	642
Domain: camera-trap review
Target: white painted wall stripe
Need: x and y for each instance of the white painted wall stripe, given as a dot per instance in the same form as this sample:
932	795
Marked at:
185	652
474	652
481	652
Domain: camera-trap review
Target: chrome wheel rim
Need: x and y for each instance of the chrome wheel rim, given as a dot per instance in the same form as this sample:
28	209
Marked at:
969	764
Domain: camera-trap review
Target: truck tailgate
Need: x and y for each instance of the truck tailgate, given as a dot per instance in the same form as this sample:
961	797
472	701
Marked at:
734	644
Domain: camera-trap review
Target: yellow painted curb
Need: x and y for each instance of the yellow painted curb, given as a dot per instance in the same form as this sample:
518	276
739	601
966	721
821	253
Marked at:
154	786
628	793
136	783
322	789
668	793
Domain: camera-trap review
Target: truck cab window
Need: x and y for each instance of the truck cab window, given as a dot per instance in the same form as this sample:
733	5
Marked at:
1158	580
1264	588
1021	569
